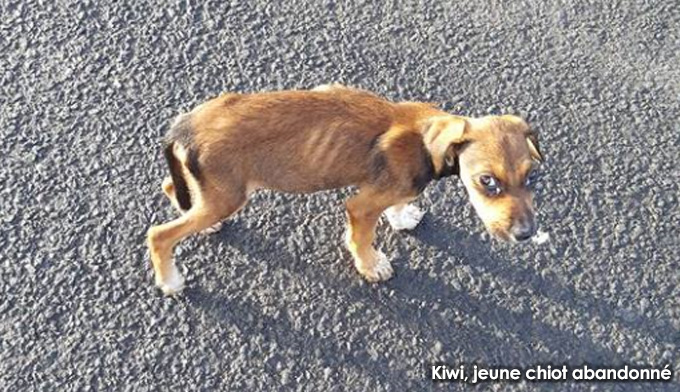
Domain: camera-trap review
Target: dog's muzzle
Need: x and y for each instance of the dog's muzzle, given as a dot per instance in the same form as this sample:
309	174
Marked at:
524	229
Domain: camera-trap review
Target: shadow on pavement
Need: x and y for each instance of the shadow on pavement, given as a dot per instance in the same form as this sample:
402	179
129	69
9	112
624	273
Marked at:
499	336
589	307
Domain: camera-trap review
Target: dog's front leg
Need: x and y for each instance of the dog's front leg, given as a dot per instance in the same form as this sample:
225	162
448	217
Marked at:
209	207
363	212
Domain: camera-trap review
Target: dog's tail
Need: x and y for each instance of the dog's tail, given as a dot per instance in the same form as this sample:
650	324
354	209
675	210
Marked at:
180	132
181	189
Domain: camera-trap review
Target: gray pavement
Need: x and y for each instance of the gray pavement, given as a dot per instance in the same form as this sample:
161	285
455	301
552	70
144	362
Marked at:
88	89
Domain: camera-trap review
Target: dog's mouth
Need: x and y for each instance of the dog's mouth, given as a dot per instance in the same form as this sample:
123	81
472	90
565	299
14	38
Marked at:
500	234
539	237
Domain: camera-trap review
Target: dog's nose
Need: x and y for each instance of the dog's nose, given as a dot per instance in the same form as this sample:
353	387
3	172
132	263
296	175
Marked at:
524	230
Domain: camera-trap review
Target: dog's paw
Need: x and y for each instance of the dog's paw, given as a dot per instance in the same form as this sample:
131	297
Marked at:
406	218
212	229
172	285
381	271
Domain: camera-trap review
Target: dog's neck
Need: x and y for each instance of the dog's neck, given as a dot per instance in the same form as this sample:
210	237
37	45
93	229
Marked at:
449	170
446	170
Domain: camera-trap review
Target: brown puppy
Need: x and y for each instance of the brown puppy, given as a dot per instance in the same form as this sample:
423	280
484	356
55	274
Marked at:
334	136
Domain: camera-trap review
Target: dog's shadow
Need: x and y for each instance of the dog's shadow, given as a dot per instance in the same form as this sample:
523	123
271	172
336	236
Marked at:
471	326
475	251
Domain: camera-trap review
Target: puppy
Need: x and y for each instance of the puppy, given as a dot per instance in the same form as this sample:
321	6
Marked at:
334	136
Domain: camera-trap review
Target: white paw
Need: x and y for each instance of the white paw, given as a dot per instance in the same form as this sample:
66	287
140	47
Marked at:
405	218
380	272
173	284
212	229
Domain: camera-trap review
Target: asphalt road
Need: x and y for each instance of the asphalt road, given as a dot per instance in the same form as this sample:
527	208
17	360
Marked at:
88	89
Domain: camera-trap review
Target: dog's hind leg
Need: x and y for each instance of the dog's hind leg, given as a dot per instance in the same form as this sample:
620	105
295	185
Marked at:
162	239
169	190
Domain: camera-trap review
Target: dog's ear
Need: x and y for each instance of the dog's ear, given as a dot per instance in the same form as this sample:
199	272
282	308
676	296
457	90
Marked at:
532	141
443	137
531	135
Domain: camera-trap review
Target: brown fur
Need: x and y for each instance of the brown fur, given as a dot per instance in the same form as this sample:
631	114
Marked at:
330	137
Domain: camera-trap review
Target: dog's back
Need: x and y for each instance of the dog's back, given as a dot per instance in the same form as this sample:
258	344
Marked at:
294	141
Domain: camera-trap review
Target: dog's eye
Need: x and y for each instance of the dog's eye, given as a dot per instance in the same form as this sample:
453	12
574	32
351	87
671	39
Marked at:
490	184
531	178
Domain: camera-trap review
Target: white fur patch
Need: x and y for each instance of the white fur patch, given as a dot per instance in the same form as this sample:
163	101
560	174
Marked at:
328	87
180	152
404	217
173	284
348	238
212	229
180	117
540	237
382	270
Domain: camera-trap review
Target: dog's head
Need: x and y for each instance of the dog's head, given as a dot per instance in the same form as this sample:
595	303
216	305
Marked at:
496	158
